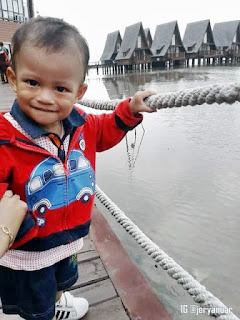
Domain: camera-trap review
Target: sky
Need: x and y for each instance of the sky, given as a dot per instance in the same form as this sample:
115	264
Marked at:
95	19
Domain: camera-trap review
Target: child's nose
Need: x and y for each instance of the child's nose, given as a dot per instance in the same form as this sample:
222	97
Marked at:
45	96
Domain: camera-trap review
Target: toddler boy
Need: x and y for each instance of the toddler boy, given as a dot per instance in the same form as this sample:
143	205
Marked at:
48	148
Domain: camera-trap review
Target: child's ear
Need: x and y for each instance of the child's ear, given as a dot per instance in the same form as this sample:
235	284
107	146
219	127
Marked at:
11	75
81	91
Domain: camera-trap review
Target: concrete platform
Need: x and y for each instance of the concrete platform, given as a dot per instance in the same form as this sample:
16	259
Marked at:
7	96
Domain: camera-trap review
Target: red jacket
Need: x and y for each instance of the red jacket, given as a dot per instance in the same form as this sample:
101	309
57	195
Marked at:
4	59
59	194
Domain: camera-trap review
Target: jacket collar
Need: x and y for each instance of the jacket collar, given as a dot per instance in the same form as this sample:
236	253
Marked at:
33	129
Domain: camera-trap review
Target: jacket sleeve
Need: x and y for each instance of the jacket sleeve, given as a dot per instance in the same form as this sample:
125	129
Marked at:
4	173
112	127
6	59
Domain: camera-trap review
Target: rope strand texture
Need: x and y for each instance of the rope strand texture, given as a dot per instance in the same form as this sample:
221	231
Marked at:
197	96
199	293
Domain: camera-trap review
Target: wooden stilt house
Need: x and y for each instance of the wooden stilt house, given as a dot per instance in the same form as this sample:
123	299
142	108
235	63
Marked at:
112	46
198	40
167	44
134	50
227	39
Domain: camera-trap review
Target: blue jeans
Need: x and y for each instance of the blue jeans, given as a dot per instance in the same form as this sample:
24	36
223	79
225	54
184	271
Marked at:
32	294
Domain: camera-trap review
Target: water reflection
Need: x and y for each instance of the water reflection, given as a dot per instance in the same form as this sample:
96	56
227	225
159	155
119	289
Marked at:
178	178
161	81
124	86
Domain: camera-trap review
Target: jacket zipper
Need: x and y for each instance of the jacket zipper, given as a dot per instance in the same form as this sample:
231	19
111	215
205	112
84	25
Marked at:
72	143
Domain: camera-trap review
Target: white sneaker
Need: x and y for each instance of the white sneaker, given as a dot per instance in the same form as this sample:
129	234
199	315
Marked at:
71	308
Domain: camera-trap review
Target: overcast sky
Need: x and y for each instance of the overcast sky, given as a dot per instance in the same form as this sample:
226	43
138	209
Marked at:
95	19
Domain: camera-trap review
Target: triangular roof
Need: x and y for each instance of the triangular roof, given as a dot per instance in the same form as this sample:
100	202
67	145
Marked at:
194	35
110	45
129	41
148	36
163	37
224	32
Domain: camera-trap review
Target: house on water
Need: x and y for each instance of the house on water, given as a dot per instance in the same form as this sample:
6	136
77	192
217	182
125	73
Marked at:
134	52
112	46
111	49
198	42
167	47
227	40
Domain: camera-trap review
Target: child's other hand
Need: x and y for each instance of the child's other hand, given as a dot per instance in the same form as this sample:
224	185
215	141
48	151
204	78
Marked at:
137	103
12	211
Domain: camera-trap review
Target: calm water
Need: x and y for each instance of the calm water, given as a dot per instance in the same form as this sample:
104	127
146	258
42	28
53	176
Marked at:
177	178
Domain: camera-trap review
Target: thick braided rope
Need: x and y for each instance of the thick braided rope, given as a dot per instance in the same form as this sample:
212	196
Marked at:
199	293
197	96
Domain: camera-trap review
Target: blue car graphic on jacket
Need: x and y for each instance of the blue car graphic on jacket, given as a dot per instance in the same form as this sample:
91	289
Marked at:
49	187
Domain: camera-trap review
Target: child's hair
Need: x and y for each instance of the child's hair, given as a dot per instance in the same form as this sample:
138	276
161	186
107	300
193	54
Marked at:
50	33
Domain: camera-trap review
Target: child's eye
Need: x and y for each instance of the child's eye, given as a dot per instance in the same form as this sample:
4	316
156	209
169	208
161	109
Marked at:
61	89
32	83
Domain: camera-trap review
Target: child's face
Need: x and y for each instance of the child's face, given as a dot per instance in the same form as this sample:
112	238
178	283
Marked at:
47	84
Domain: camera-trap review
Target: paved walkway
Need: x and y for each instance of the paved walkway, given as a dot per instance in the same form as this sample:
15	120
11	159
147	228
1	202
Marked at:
95	285
7	96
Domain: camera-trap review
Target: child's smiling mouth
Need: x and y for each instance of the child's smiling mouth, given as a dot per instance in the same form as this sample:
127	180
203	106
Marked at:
45	109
